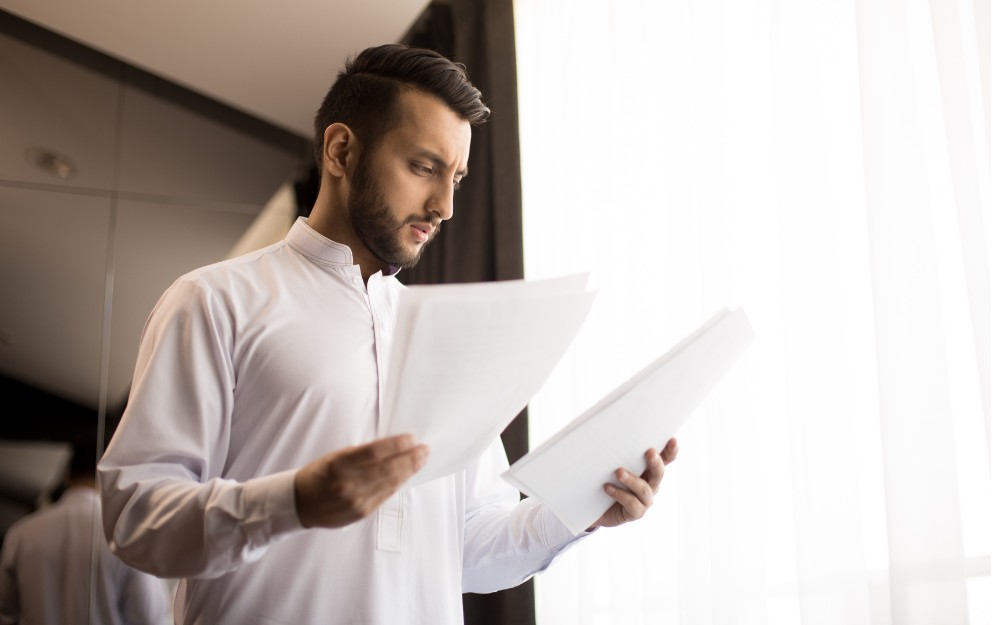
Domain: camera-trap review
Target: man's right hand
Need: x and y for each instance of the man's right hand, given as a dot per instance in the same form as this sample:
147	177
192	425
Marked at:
347	485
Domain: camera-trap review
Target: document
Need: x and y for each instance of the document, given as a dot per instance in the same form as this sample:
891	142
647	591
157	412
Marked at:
567	472
466	359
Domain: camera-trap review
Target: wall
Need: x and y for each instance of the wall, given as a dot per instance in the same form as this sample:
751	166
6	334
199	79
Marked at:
166	180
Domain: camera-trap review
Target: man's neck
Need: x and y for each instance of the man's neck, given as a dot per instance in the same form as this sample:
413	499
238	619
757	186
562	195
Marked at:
344	234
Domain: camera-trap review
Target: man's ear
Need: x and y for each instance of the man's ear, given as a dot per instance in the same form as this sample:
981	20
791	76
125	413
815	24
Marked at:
339	145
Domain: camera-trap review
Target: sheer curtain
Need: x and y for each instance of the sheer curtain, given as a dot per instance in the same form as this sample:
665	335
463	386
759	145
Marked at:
825	165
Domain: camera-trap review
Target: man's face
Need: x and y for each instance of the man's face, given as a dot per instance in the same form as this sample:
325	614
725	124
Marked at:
402	190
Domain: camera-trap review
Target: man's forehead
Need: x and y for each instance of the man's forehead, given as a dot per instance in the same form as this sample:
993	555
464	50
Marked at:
417	106
431	126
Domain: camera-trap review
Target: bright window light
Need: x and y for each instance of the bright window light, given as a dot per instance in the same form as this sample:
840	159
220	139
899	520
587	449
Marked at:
823	166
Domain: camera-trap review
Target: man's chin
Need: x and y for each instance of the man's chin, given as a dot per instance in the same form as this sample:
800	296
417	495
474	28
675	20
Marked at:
401	260
408	254
411	261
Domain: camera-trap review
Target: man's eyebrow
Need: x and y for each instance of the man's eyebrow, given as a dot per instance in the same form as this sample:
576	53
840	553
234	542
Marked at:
439	162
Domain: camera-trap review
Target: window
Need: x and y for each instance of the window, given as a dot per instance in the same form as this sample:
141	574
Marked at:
825	166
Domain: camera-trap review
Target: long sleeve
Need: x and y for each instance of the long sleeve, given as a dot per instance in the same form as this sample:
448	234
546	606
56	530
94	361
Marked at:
167	510
145	599
507	539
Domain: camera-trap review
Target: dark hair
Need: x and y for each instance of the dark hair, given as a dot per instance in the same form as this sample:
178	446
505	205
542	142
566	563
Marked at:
84	460
366	92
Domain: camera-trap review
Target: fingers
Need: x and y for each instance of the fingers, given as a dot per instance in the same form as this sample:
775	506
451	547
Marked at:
669	453
394	455
640	488
382	465
349	484
657	462
637	493
635	499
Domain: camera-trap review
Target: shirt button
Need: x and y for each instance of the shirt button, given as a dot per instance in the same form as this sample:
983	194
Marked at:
357	280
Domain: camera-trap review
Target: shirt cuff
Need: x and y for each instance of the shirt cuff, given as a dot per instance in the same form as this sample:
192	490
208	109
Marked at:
556	533
269	507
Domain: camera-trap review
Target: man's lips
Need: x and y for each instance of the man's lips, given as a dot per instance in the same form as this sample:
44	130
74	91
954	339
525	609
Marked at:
422	231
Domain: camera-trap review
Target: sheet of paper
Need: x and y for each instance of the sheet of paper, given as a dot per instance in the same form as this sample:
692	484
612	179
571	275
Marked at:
467	359
568	470
412	298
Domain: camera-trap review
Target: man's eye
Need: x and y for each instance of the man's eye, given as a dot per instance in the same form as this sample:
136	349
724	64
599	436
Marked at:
422	169
457	185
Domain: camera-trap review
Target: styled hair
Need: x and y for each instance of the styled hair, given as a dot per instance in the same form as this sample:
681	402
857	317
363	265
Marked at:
366	93
83	462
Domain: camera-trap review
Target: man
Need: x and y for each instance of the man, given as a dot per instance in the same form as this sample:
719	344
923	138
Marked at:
56	568
247	461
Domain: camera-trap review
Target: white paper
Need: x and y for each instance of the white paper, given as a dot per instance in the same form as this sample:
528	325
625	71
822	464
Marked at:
567	472
467	358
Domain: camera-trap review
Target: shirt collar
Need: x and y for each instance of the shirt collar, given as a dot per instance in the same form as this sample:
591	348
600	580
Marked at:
313	244
79	492
304	238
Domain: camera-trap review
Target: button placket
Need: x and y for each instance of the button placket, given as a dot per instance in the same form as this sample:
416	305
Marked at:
390	524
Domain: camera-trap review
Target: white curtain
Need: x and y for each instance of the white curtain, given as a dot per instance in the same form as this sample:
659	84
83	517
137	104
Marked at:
825	165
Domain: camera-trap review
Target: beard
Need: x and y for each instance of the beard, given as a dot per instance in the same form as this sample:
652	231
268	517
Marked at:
374	223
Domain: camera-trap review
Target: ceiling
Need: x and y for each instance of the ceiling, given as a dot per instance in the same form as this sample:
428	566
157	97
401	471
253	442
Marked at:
175	204
274	60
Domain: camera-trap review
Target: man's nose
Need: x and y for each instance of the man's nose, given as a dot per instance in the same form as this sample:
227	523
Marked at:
442	202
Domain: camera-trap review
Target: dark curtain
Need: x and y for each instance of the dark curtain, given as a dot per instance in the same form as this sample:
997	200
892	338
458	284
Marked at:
482	241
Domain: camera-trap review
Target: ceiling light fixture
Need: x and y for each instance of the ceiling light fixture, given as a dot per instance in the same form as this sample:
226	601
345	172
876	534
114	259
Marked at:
51	162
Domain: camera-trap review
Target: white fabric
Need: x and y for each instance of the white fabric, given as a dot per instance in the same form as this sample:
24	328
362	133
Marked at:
247	370
826	165
45	571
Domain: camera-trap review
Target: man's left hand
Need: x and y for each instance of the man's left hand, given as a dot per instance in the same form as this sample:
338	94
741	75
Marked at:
639	490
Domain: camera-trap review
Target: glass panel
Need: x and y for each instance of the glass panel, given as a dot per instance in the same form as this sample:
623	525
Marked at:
90	225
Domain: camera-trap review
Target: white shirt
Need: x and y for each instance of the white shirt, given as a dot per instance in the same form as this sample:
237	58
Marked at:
45	571
249	369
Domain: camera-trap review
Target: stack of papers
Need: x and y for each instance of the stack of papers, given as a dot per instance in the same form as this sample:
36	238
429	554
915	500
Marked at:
567	472
466	359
